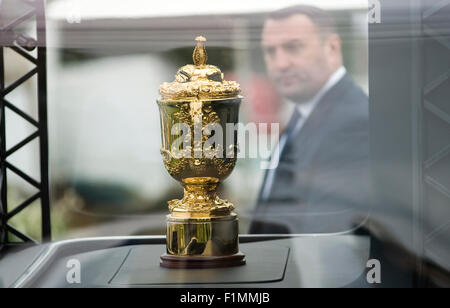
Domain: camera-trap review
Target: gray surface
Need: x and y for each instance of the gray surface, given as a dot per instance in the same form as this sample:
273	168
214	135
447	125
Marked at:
327	262
314	261
97	269
265	263
14	262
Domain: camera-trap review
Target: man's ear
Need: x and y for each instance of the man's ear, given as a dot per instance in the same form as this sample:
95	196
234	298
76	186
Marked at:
334	49
335	44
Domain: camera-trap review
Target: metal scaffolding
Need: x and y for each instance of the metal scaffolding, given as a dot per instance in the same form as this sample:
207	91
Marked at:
23	46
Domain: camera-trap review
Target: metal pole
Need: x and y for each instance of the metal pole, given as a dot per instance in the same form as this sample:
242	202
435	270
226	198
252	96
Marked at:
42	111
3	182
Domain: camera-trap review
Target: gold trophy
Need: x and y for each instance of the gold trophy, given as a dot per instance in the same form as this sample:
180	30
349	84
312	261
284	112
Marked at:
199	106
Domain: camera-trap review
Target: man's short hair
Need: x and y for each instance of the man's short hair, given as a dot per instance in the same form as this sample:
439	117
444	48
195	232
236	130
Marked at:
321	18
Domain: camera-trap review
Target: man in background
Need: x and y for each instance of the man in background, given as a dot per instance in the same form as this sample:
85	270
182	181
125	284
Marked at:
321	182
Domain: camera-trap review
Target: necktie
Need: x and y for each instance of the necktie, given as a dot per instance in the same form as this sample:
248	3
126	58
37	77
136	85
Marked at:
285	141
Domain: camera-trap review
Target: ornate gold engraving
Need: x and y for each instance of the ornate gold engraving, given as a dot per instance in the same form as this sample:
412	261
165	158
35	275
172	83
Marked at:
201	223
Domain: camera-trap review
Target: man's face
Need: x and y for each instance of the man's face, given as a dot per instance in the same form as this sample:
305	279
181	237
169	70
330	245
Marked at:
297	56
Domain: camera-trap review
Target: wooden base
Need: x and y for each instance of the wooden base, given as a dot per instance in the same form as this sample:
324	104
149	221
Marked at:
170	261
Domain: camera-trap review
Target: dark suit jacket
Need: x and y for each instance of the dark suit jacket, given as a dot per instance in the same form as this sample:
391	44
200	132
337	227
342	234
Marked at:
322	180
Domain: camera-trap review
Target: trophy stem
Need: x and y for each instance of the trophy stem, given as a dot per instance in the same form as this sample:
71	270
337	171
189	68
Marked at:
200	200
202	231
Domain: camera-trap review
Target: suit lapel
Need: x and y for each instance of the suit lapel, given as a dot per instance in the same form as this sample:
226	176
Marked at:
308	139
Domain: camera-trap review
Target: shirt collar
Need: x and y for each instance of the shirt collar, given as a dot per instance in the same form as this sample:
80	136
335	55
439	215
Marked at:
307	108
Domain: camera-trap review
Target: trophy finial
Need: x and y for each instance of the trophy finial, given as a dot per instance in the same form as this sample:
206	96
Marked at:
200	56
199	81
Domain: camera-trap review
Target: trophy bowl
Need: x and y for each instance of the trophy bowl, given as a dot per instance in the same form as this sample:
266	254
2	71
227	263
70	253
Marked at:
199	113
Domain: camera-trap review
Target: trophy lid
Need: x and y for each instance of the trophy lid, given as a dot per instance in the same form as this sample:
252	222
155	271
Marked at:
199	81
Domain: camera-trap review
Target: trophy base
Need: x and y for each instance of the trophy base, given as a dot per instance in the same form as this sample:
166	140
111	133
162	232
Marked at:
169	261
204	242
